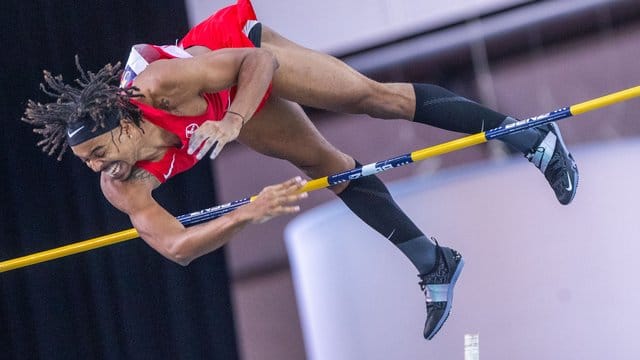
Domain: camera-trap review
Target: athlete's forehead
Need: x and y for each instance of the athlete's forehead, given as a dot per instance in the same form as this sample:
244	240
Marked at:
88	148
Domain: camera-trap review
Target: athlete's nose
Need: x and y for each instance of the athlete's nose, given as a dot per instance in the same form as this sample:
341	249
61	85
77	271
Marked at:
95	165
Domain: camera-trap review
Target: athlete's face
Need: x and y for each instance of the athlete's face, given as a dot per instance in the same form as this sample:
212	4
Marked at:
113	153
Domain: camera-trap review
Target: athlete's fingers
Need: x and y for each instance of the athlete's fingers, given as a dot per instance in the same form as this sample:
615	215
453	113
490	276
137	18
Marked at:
279	199
282	210
207	131
287	200
217	149
195	142
290	186
285	184
279	192
295	184
289	209
295	197
205	148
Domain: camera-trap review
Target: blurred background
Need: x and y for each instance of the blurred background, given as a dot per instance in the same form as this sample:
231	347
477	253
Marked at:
522	58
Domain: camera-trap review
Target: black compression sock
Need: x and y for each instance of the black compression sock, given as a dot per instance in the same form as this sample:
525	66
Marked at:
370	200
441	108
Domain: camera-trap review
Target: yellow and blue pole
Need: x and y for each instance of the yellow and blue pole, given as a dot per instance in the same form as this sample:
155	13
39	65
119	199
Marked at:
321	183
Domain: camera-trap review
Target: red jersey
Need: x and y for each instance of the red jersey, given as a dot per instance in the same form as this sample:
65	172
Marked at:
176	159
227	28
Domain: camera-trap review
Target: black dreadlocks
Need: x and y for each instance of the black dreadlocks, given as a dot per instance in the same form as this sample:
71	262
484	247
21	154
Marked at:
95	97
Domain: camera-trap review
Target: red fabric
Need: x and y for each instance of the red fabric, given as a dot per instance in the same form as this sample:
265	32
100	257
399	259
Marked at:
176	159
223	30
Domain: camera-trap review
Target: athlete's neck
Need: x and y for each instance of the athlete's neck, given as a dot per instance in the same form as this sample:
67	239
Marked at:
154	141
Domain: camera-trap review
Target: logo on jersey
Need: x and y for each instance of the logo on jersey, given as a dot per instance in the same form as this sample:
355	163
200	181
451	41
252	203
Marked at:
127	77
190	129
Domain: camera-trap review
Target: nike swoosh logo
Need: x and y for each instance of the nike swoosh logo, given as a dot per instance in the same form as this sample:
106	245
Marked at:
75	131
173	160
570	187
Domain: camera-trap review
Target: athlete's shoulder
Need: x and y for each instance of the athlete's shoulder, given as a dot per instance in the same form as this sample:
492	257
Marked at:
142	55
151	68
156	84
131	194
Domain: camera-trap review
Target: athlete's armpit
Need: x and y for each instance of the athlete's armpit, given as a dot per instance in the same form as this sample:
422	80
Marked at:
164	104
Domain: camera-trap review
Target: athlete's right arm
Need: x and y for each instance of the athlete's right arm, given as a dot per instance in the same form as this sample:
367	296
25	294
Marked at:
164	233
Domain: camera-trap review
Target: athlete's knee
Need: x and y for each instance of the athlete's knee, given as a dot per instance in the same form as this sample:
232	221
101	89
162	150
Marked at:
327	165
272	38
325	168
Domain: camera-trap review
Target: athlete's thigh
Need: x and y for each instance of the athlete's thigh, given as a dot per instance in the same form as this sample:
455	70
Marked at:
315	79
282	130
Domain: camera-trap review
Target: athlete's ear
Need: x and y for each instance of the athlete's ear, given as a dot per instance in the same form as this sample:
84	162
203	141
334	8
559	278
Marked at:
126	121
126	125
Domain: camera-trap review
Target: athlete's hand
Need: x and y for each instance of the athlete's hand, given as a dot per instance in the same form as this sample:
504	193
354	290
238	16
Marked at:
214	134
276	200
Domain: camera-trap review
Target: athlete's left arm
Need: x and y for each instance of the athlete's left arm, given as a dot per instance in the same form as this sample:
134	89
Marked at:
175	82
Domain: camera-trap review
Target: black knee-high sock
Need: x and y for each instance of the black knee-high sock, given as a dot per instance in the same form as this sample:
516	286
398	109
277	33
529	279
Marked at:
370	200
441	108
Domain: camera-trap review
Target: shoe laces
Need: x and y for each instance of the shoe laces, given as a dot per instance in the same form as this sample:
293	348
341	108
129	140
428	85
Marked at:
531	155
557	167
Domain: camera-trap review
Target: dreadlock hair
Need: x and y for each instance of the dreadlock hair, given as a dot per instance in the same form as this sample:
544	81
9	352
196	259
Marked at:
95	96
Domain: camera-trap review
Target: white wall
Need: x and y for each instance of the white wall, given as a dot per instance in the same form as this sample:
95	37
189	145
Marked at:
337	26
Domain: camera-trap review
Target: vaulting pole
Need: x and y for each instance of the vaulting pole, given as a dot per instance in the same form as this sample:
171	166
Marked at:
321	183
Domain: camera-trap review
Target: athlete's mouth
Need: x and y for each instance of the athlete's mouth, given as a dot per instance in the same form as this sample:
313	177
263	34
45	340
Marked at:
115	170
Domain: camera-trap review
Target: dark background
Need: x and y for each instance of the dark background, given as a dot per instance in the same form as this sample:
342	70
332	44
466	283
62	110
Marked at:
123	301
